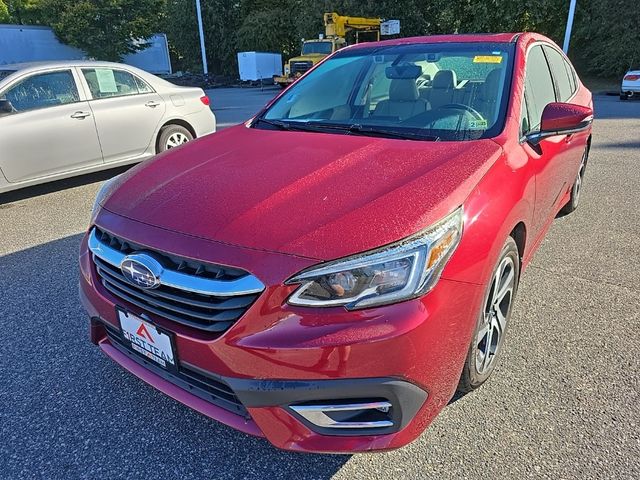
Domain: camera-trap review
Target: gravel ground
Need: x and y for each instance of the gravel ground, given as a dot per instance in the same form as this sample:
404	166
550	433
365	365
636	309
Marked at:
564	402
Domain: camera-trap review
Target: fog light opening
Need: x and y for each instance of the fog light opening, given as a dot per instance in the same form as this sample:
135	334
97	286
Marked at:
356	414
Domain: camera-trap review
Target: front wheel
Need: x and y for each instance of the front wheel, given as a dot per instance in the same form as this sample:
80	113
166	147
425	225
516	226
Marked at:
173	136
489	334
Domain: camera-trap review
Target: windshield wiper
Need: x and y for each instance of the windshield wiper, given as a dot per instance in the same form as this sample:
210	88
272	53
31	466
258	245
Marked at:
365	130
348	129
301	126
376	131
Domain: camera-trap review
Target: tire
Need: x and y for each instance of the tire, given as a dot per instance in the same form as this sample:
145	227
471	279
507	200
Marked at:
484	350
576	189
173	136
624	97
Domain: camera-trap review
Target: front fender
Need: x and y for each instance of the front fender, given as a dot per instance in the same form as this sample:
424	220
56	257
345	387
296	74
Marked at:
502	199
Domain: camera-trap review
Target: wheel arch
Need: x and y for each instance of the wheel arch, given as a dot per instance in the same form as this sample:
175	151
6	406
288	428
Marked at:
519	234
174	121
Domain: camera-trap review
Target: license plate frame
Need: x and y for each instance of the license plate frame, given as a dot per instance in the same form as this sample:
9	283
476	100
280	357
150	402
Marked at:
160	351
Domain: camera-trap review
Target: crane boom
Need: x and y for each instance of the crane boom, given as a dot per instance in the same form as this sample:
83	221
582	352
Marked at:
338	25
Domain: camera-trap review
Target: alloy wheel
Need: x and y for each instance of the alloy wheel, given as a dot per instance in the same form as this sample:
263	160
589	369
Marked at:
176	139
495	314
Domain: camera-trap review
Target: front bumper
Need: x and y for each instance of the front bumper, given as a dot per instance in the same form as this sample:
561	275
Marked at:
277	357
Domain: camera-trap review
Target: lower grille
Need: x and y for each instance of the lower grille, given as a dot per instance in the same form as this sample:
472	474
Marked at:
188	378
203	296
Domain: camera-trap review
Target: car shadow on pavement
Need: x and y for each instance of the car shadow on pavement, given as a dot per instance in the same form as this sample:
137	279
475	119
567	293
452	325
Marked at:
67	411
64	184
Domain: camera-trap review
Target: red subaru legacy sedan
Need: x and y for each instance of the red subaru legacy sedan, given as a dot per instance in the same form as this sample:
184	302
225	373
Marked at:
330	273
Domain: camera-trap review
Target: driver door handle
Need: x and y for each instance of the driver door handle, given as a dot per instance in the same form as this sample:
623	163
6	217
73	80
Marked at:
152	104
80	115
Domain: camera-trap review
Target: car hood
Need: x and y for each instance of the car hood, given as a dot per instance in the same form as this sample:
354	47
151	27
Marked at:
315	195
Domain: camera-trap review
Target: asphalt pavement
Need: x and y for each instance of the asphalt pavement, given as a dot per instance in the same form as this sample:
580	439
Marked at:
564	403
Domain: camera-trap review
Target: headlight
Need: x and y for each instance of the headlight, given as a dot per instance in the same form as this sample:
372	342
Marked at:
286	69
105	191
397	272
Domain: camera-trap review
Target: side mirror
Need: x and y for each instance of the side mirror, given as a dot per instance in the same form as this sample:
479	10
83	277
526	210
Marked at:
562	119
5	107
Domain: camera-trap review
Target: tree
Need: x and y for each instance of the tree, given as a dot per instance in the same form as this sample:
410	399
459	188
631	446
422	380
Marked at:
105	29
607	38
4	12
221	21
21	11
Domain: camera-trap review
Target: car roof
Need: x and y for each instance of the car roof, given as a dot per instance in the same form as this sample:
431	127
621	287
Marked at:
61	63
456	38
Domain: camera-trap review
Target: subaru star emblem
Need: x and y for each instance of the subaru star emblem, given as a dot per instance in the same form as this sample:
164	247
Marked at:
141	270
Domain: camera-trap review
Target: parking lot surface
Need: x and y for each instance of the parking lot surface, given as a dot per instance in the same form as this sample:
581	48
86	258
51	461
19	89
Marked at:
564	403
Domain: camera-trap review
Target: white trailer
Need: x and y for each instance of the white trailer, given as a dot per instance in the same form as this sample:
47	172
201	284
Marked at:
30	43
255	66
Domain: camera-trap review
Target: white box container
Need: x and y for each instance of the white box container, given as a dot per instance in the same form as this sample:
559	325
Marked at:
254	66
390	27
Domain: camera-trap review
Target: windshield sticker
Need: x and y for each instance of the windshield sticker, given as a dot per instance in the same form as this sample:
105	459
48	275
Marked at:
478	124
487	59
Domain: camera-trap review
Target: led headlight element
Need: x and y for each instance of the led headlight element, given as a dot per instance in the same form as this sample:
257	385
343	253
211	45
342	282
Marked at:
406	269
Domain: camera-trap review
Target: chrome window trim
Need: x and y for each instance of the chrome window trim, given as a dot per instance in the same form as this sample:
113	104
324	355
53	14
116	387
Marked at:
523	135
170	278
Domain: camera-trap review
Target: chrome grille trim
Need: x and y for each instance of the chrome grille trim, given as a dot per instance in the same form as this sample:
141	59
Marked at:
213	309
180	281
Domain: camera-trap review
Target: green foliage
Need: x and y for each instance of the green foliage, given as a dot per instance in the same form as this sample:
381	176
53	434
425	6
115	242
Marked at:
4	12
606	38
22	11
105	29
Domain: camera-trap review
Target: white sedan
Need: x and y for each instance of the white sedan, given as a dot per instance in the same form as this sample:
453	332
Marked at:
630	84
60	119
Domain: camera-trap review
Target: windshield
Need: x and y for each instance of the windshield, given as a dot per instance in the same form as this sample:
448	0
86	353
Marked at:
5	73
324	48
438	91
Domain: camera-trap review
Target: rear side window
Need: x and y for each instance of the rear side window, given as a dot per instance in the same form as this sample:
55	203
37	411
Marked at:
572	76
560	75
538	89
107	83
43	90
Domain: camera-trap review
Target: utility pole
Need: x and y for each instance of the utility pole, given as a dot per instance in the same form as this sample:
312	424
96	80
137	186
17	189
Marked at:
567	33
203	49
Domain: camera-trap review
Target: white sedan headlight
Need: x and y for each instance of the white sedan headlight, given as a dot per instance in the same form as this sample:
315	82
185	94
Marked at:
400	271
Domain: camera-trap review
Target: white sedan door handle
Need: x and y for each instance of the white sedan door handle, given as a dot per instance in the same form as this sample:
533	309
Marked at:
80	115
152	104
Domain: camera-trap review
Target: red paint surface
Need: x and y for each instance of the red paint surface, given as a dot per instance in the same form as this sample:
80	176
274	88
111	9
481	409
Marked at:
274	202
559	116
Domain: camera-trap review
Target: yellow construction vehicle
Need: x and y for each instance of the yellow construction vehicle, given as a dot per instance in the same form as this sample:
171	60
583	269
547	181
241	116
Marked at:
336	29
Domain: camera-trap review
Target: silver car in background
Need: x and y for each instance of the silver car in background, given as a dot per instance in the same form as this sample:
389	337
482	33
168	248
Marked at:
59	119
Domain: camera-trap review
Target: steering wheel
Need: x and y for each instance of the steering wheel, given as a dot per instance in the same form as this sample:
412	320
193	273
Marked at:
463	110
461	106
